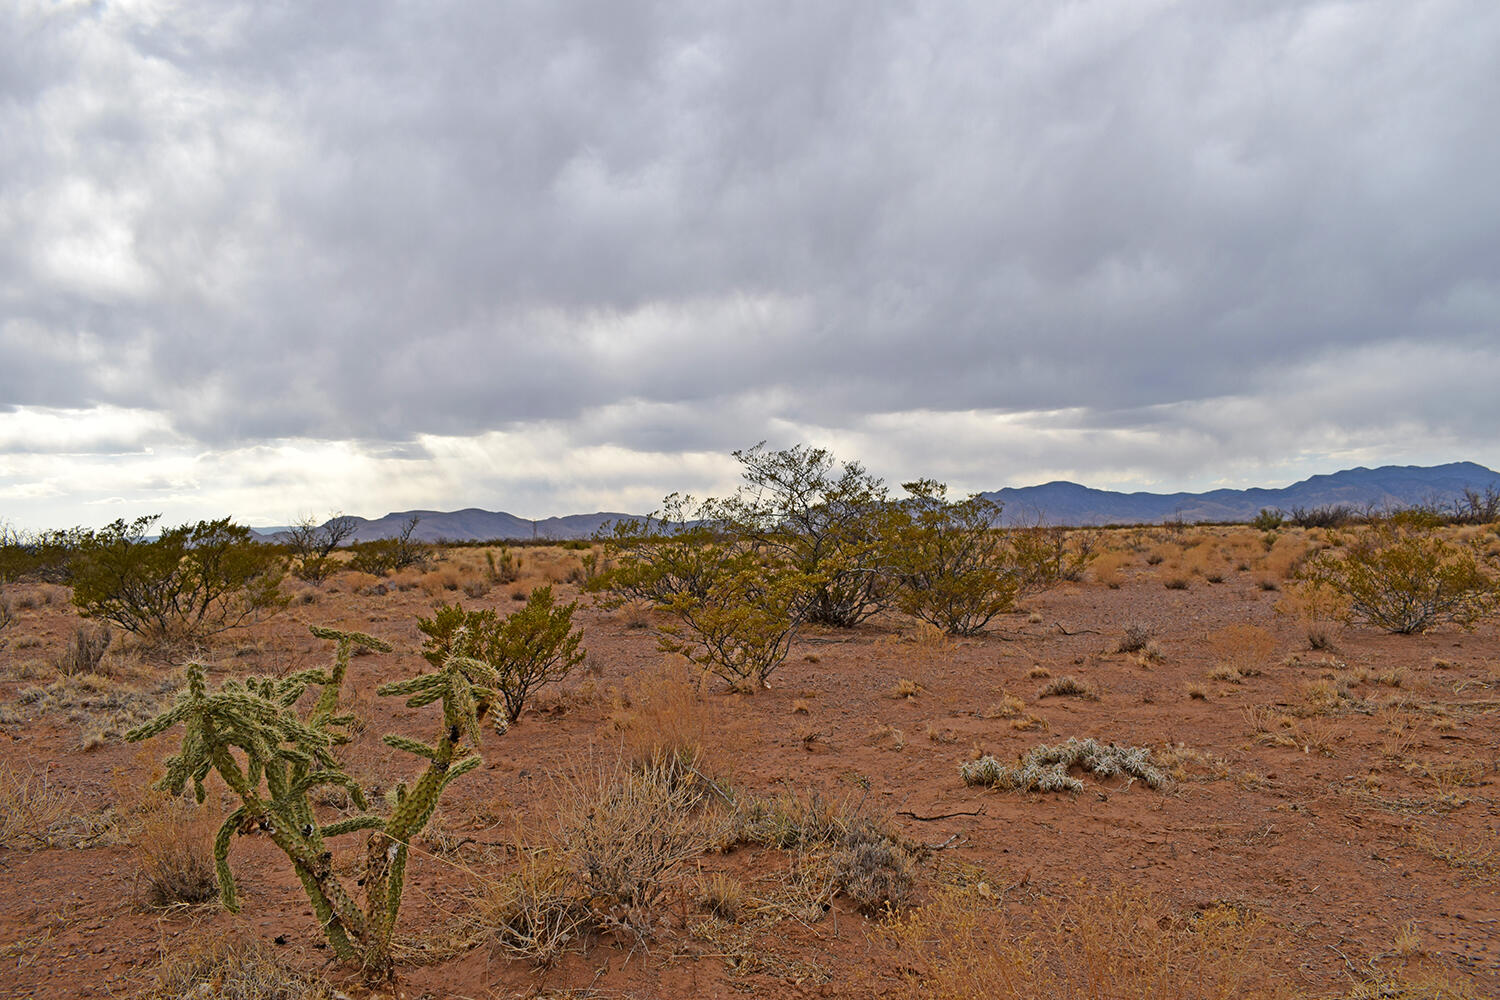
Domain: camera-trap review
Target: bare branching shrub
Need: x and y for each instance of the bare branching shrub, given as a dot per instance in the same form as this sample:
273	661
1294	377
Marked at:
1402	575
383	556
232	969
174	846
1135	639
1045	768
85	650
626	834
7	617
536	913
312	545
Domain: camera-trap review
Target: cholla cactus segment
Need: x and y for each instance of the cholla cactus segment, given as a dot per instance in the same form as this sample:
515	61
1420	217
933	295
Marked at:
1045	769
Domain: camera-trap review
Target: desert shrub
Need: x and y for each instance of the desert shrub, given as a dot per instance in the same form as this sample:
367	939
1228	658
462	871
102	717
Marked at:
1326	516
1045	769
288	755
536	912
1068	686
175	849
1113	943
383	556
1402	575
666	721
31	808
525	650
674	552
1049	554
503	568
86	648
742	627
191	582
43	556
1269	519
7	617
872	868
626	834
1136	639
232	969
312	545
955	569
821	520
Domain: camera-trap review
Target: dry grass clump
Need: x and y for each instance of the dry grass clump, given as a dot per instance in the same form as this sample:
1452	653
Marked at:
86	648
31	809
1108	566
1069	686
905	688
536	912
1045	768
872	868
667	718
174	848
1008	707
228	968
1137	639
722	895
625	833
1240	651
102	706
1121	944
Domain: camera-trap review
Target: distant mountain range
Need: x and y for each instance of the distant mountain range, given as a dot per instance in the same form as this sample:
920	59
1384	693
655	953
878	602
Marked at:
1387	487
1065	503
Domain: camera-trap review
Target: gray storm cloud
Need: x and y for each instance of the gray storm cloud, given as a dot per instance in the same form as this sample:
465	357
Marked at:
681	227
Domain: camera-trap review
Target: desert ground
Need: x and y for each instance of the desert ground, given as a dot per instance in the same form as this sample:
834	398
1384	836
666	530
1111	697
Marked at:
1329	826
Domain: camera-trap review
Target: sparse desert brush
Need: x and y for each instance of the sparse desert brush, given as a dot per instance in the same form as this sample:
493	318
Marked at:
1114	943
1283	558
872	867
1176	581
1071	687
32	808
231	968
667	719
536	912
1008	707
85	650
722	895
626	834
443	579
1402	575
1045	768
1107	568
1240	650
174	848
905	688
1137	639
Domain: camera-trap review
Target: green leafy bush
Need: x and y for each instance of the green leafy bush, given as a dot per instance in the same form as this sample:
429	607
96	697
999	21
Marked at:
822	521
382	556
957	570
525	650
191	582
1401	574
273	758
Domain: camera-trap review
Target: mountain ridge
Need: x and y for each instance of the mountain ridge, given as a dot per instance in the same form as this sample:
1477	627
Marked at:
1058	502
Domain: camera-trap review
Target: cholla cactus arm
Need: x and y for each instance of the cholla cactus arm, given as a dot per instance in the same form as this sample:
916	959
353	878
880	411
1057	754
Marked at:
328	700
227	830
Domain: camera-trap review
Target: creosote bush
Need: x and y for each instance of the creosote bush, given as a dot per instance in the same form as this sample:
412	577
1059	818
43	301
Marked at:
274	758
1400	574
189	583
526	649
1045	768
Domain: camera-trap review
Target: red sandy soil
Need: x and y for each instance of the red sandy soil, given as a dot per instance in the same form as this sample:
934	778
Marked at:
1337	844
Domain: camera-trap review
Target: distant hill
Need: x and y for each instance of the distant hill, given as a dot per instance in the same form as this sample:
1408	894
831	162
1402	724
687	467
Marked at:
475	525
1064	503
1389	486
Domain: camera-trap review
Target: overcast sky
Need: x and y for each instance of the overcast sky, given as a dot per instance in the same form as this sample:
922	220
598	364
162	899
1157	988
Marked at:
273	259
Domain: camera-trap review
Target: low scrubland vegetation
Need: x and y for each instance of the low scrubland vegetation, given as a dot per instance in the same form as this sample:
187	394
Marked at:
739	761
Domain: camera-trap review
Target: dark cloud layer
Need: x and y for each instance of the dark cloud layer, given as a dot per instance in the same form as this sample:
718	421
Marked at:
680	227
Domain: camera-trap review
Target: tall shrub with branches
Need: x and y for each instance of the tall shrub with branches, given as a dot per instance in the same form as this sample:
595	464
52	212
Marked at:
1401	574
191	582
312	545
272	758
821	518
957	568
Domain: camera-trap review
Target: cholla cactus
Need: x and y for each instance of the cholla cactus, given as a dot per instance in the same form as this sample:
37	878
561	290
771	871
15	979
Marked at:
1045	769
285	757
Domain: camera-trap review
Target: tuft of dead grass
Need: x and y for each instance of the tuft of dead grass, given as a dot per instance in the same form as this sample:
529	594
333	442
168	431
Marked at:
231	968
